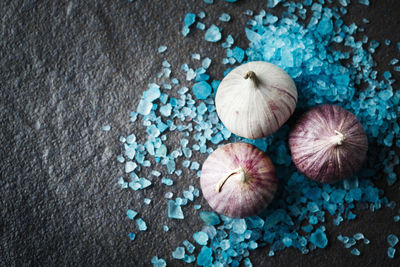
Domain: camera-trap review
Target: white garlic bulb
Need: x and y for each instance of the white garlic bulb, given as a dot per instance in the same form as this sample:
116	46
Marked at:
256	99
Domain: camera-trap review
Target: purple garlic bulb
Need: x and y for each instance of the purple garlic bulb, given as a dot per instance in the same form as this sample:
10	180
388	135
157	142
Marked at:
238	180
328	144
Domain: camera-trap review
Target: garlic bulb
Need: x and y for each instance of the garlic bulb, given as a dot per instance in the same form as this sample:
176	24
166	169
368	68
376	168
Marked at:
328	143
238	180
255	99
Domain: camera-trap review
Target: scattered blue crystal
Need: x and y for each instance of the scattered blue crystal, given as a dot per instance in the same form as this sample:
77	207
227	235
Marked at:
210	218
106	128
200	26
141	224
213	34
165	228
390	252
167	181
201	238
392	240
209	1
158	262
179	253
358	236
131	214
224	17
162	49
189	246
201	90
318	238
239	226
197	207
174	210
364	2
355	251
147	201
132	236
205	257
144	107
130	166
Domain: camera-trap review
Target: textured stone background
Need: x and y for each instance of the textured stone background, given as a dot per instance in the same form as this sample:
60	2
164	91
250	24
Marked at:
70	67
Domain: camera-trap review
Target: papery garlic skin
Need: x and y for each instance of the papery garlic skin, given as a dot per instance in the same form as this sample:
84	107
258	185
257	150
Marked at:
328	144
250	186
255	99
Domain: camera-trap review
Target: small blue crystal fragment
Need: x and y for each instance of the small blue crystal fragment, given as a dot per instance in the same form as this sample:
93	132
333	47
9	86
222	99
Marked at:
141	224
213	34
189	246
318	238
238	54
174	210
165	228
132	236
131	214
144	107
106	128
210	218
162	49
205	257
392	240
158	262
178	253
364	2
201	90
197	207
201	238
130	166
239	226
167	181
209	1
390	252
189	19
355	251
224	17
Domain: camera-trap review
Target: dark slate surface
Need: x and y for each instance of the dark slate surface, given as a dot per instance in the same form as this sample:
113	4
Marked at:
70	67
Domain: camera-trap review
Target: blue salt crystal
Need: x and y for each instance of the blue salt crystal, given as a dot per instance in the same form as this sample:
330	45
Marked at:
147	201
385	94
189	19
287	241
162	49
132	236
201	238
174	210
144	107
358	236
210	218
364	2
190	75
238	54
196	56
189	258
224	17
307	228
131	214
168	195
213	34
185	30
195	165
396	218
205	257
201	90
239	226
201	14
167	181
392	240
273	3
188	195
120	159
397	68
225	244
200	26
390	252
247	262
165	228
141	224
366	241
355	251
206	63
197	207
318	238
209	1
106	128
152	93
178	253
189	246
130	166
158	262
313	220
131	139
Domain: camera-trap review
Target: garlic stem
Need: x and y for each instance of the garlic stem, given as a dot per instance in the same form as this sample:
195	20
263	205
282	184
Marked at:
253	77
340	137
221	182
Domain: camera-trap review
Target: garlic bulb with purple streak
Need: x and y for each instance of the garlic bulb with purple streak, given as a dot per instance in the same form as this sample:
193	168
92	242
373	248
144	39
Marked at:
238	180
255	99
328	144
